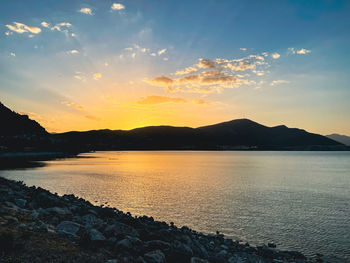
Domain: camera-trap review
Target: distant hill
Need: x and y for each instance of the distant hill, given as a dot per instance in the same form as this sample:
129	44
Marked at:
13	123
238	134
340	138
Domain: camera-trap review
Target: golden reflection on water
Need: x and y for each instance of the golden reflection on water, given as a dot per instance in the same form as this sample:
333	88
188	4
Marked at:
256	196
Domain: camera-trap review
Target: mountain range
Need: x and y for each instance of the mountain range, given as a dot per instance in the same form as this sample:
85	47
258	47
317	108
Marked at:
340	138
239	134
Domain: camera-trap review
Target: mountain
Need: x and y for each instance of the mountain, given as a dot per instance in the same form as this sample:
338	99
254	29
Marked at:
340	138
17	124
236	134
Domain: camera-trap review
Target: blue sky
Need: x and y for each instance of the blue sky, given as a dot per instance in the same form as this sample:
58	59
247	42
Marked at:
78	65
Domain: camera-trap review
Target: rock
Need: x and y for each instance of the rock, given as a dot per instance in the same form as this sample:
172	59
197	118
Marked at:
272	245
46	200
58	211
34	214
22	226
91	220
68	228
124	244
11	219
41	226
20	202
156	256
158	245
112	261
181	252
198	260
120	229
222	254
235	259
199	250
96	235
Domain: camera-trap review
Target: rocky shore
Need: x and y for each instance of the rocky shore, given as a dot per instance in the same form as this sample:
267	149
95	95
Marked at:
38	226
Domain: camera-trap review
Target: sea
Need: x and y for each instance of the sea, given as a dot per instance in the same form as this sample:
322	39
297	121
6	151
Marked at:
297	200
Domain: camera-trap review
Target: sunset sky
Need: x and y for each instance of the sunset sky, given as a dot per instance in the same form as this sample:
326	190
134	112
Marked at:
80	65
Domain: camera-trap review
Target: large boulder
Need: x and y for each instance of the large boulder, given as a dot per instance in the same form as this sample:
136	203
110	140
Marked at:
156	256
68	228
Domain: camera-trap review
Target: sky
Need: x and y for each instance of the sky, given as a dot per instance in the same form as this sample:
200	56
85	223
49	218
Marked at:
82	65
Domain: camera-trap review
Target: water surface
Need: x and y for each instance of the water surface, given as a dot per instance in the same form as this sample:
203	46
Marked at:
299	200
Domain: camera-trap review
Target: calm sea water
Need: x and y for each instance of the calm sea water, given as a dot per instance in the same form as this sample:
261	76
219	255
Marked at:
299	200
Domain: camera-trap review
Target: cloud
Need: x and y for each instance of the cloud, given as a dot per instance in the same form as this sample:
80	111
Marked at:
7	33
206	63
303	51
277	82
85	10
243	49
97	76
153	54
162	51
91	117
161	81
154	99
275	55
209	76
165	59
74	51
149	100
22	28
12	54
45	24
117	6
59	26
186	71
73	105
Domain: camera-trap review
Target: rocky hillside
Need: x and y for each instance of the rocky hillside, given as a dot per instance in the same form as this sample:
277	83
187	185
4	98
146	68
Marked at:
13	123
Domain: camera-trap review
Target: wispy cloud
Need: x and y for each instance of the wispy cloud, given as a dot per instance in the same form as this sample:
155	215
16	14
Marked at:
73	105
92	117
74	51
97	76
59	26
85	10
162	51
186	71
278	82
301	51
243	49
12	54
275	55
117	6
154	99
22	28
45	24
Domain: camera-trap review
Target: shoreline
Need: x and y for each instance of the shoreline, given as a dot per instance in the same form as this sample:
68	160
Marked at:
74	230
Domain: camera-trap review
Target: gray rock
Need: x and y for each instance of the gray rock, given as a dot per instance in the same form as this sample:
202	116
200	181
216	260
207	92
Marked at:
198	260
124	244
96	235
22	226
41	226
158	245
156	256
235	259
112	261
199	249
11	219
91	220
58	211
120	228
68	228
222	254
21	202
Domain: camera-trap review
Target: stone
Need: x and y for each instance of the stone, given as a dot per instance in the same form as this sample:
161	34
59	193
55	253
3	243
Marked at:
222	254
158	245
198	260
156	256
124	244
21	202
112	261
96	235
68	228
58	211
271	244
120	229
91	220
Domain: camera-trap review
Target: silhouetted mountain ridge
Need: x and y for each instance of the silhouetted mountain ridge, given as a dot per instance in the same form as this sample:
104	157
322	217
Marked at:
17	124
